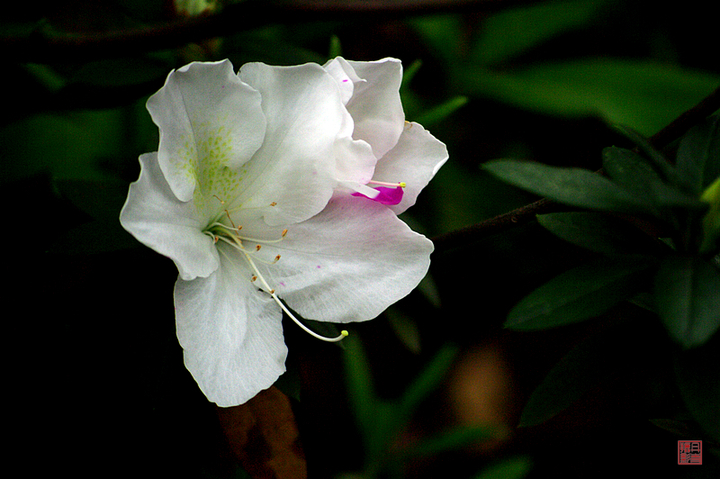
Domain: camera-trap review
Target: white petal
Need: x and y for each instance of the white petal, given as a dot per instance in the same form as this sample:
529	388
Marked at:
295	168
344	75
355	161
171	227
348	263
230	332
375	105
414	160
208	119
355	158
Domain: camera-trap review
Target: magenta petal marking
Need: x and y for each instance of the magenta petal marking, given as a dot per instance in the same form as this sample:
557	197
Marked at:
386	196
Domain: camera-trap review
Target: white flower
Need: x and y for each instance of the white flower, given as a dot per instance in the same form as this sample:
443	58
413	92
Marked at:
249	195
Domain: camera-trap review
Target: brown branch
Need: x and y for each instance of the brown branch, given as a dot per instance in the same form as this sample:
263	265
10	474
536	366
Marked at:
662	138
44	45
680	125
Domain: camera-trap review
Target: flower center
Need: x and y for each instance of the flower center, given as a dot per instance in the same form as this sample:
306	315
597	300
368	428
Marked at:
231	235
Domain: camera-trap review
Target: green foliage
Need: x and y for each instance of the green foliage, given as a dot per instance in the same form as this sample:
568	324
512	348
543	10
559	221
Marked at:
601	233
645	94
687	293
581	293
510	33
583	369
513	468
572	186
642	94
684	281
381	421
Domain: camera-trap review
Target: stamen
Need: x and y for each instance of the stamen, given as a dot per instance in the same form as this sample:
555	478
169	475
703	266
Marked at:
401	184
235	240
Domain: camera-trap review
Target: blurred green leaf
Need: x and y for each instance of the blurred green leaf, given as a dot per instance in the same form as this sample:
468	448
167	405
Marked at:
711	221
698	156
381	421
73	144
687	292
598	232
580	293
589	363
102	201
571	186
584	367
656	160
630	170
633	172
427	381
513	468
452	440
409	73
643	95
442	111
513	31
359	381
45	76
441	33
114	72
335	49
405	329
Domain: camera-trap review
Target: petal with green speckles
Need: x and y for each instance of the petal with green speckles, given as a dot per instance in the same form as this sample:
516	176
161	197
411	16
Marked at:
209	120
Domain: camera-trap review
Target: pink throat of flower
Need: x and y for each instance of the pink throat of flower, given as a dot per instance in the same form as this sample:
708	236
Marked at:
386	195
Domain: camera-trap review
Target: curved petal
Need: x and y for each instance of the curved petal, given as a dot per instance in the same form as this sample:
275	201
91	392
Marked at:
344	75
355	158
296	164
375	104
415	159
355	161
208	119
349	262
171	227
230	332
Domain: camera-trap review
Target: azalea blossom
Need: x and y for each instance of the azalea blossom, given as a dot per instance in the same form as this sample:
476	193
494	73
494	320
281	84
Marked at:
275	190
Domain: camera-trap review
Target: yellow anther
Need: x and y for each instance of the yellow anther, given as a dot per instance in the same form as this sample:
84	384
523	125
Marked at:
401	184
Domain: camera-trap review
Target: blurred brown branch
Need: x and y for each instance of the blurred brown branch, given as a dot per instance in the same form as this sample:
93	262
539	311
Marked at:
47	45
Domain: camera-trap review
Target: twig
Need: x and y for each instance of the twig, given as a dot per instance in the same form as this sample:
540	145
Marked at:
464	236
44	45
662	138
680	125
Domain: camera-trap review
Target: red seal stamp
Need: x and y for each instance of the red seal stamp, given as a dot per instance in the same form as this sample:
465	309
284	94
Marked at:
690	452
